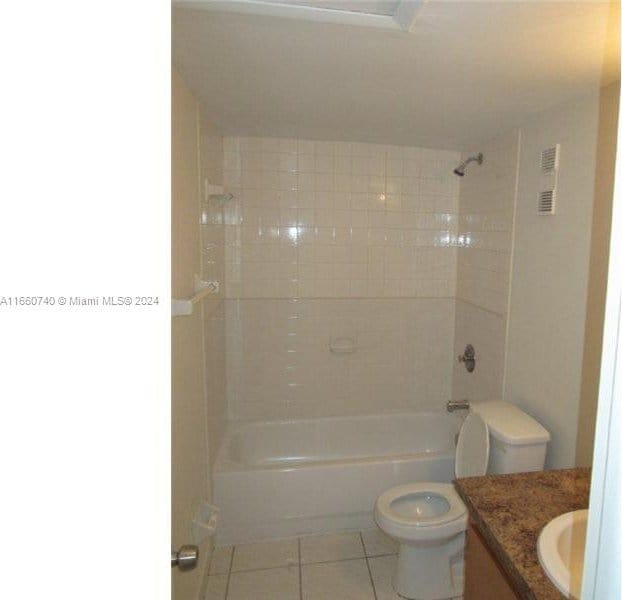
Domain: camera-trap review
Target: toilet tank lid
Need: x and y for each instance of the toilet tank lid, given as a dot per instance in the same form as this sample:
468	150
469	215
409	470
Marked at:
510	424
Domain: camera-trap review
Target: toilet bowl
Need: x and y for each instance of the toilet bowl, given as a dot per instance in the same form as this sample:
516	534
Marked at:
421	512
429	519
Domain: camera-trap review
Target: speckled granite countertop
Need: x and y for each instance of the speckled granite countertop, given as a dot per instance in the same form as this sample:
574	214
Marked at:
511	510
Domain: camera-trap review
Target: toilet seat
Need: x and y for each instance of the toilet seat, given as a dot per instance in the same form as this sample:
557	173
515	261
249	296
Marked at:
473	447
444	491
396	521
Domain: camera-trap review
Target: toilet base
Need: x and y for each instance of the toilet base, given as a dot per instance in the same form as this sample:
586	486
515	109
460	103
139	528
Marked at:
430	571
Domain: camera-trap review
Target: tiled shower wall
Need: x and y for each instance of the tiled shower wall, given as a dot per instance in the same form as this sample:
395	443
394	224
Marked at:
284	359
338	220
332	243
487	199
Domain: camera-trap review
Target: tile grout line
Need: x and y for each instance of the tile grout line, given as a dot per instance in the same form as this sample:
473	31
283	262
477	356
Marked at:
371	579
229	572
337	560
321	562
299	571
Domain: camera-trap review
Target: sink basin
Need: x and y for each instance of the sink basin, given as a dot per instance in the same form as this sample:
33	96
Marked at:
560	551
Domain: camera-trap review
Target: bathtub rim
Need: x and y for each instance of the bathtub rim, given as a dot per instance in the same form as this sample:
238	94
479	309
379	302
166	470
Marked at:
223	464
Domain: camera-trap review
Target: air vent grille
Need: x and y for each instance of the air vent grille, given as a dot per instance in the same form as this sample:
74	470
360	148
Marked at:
546	202
549	159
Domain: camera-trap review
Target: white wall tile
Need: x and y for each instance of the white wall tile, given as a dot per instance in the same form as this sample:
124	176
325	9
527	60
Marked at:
368	241
487	198
279	363
340	193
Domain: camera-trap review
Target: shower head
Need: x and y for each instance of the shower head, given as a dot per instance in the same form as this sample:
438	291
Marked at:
221	197
460	169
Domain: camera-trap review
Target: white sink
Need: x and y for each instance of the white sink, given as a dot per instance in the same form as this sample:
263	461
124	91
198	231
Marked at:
560	551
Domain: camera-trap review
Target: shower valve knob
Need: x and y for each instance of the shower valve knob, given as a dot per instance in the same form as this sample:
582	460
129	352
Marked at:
468	358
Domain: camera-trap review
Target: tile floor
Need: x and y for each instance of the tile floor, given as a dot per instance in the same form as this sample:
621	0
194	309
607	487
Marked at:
339	566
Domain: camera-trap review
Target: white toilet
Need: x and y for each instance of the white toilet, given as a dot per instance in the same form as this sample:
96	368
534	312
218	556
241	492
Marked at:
429	519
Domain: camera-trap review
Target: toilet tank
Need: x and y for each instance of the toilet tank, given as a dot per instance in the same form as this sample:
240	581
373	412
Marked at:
517	441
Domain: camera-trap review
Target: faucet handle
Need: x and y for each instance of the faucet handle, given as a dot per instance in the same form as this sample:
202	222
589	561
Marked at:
468	358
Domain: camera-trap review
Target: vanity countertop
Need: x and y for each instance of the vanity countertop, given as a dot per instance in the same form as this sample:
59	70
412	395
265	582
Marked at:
510	511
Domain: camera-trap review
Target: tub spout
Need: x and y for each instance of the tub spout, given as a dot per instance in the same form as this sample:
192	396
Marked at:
457	405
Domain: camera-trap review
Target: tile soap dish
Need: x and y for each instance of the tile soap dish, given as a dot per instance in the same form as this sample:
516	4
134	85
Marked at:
342	345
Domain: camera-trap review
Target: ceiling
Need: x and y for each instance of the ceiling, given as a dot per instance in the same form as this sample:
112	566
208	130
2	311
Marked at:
467	71
373	7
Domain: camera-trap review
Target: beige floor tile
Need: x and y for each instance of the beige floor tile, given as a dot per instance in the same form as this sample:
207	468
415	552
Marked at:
216	587
343	580
221	561
334	546
382	569
264	555
377	543
268	584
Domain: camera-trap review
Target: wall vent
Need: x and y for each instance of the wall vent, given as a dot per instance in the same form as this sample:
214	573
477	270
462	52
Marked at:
546	202
549	159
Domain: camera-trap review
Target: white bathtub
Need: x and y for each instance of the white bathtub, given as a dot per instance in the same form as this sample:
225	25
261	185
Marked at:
287	478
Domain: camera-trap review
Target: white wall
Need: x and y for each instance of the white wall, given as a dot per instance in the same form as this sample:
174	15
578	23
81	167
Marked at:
550	276
602	577
189	450
198	372
599	262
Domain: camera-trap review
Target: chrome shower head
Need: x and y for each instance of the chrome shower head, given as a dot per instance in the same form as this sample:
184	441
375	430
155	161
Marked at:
460	169
221	197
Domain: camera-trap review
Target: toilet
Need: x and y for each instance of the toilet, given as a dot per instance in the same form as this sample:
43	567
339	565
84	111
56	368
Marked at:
429	519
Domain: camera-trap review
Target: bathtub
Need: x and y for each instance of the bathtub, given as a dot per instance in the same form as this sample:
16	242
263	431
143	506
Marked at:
286	478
